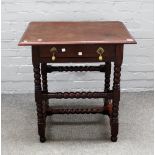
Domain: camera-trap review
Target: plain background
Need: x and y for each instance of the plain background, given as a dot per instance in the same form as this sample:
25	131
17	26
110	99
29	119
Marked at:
137	15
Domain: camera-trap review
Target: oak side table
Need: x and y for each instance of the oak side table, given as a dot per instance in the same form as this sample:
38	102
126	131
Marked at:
76	42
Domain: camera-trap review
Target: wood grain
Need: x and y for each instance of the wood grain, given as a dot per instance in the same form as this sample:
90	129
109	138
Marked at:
52	33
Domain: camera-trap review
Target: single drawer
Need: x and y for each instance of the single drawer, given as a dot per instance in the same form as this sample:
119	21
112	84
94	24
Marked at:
96	53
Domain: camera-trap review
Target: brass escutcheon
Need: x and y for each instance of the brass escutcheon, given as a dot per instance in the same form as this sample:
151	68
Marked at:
100	51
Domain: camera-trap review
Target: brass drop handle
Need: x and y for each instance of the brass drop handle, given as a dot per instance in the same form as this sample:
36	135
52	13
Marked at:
53	50
100	51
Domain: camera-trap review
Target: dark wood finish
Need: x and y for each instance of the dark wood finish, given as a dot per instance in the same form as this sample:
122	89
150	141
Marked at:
73	60
116	92
72	51
75	37
52	33
50	69
77	95
44	81
106	111
107	80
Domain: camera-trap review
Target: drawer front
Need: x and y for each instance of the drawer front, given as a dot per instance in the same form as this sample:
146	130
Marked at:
77	53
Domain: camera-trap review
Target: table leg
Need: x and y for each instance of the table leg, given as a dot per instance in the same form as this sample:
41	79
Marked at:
116	98
44	81
39	102
107	80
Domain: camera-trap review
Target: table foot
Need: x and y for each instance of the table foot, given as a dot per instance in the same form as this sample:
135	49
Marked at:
42	139
114	138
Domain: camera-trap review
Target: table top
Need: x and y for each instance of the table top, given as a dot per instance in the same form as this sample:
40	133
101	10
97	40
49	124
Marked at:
51	33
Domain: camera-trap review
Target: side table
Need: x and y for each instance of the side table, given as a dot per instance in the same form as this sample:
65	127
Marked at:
77	42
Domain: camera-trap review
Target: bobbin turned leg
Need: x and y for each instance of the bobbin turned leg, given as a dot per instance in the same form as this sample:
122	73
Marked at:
115	108
116	93
107	81
44	82
38	94
39	103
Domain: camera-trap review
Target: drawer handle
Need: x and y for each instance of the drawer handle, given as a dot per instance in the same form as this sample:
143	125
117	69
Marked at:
100	51
53	50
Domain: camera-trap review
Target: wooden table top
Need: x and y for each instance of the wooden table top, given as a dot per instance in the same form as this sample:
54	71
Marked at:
49	33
